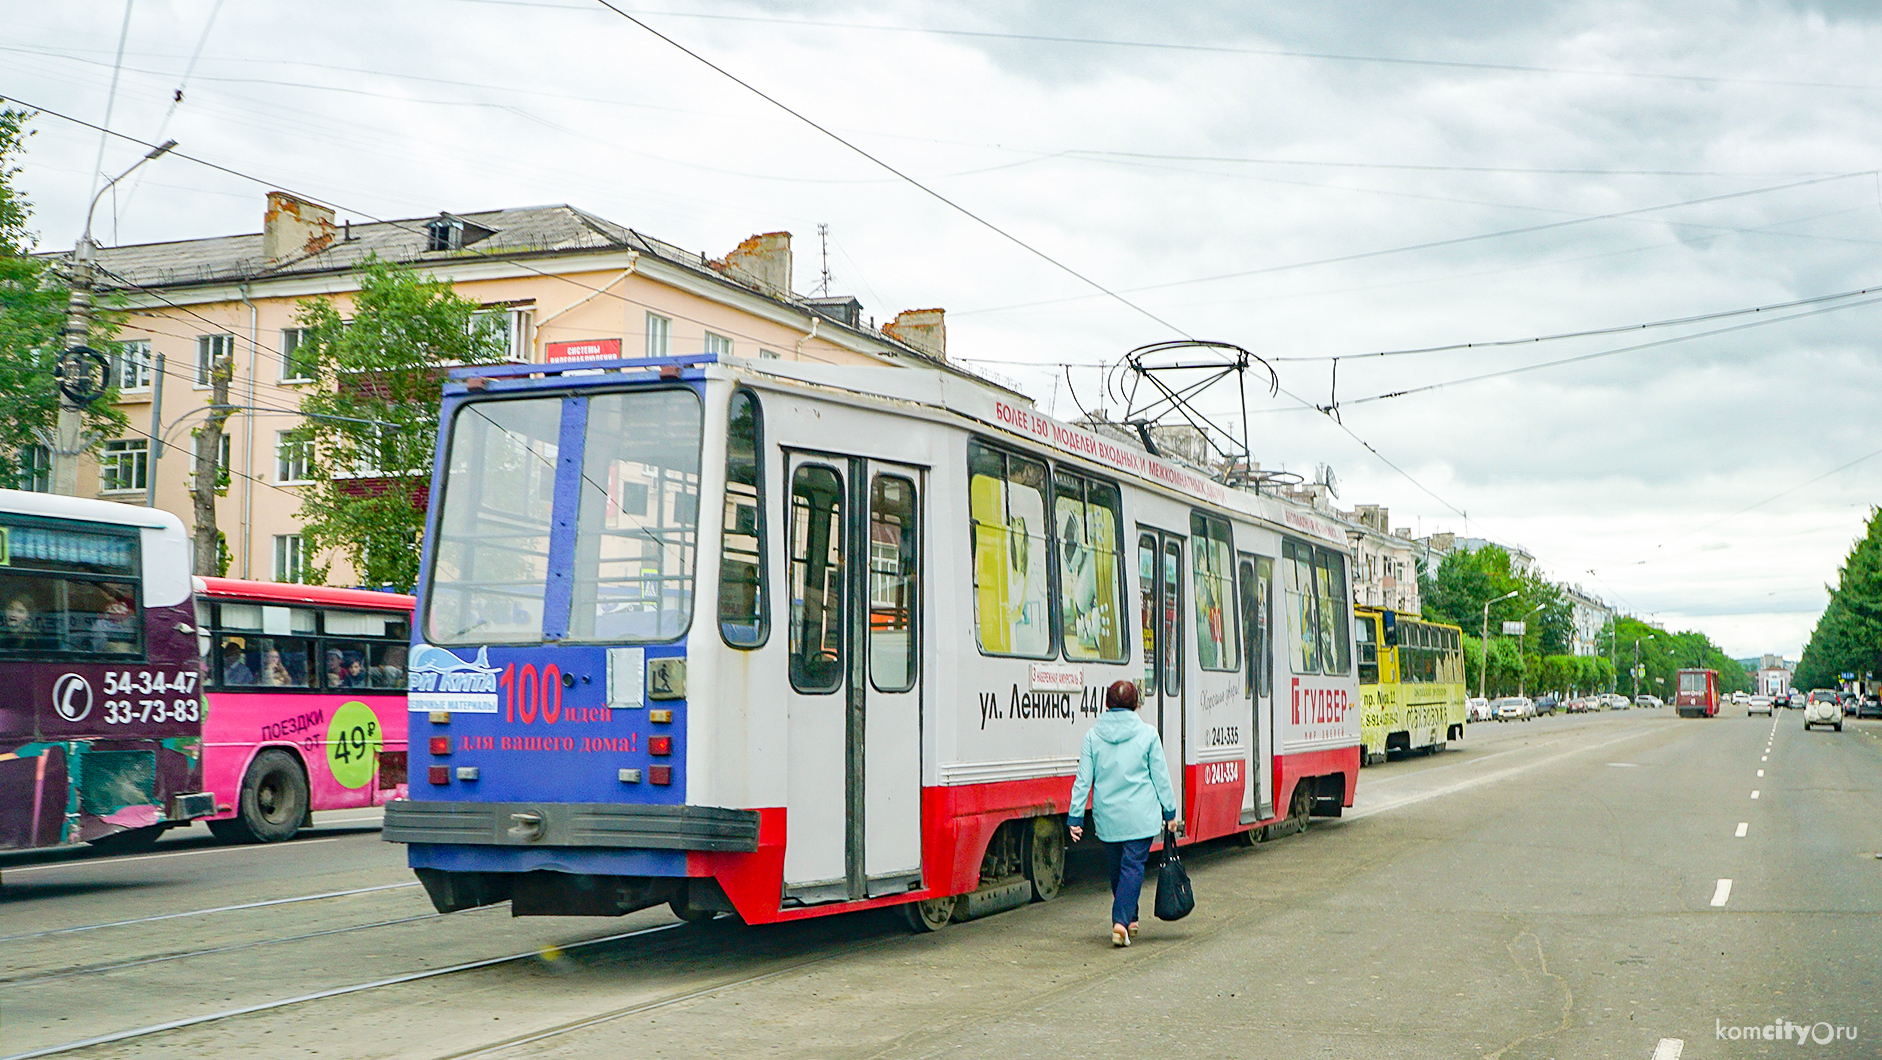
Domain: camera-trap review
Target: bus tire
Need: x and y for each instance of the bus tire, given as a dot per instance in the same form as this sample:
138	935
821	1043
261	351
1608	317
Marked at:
1045	858
274	798
929	914
129	841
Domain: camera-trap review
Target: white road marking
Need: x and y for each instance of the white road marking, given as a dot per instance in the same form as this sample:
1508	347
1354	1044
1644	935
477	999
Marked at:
1668	1049
1761	772
1766	758
1722	892
1754	793
1743	826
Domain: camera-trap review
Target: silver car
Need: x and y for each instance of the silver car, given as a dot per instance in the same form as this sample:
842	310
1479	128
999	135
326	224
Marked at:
1822	709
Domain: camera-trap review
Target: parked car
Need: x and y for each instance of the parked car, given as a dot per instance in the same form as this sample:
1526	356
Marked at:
1649	701
1870	707
1614	701
1515	708
1546	704
1580	705
1822	709
1758	705
1476	708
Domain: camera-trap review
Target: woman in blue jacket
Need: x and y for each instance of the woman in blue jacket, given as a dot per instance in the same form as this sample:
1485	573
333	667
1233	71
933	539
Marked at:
1121	769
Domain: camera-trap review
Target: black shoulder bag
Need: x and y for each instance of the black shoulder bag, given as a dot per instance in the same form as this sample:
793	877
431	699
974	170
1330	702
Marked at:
1175	898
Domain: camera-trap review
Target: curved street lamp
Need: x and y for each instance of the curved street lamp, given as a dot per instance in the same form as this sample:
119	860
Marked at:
1483	668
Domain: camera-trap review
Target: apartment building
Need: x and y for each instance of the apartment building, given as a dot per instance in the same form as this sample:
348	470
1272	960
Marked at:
563	284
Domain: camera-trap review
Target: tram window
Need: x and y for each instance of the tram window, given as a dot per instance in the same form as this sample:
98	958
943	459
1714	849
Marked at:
1364	635
1147	598
744	611
1335	635
1090	519
633	569
1297	585
893	599
1012	594
1257	580
490	566
1212	556
816	579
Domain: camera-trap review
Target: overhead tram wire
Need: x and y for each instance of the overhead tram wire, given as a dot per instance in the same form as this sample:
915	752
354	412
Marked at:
1454	241
918	185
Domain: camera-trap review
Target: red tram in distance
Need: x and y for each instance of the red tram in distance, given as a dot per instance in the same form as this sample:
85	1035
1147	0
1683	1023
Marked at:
1697	694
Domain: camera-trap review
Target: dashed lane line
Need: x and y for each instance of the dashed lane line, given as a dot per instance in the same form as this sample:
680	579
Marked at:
1754	793
1743	827
1668	1049
1721	893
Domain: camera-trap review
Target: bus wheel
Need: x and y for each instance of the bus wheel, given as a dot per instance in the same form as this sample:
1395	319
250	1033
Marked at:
129	841
929	914
274	797
1045	858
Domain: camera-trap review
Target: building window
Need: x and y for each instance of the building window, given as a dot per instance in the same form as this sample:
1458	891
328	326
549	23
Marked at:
293	456
35	464
770	355
209	349
659	335
512	325
297	365
222	462
130	365
290	558
125	466
718	344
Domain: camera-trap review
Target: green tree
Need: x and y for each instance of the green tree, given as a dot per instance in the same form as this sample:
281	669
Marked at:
1848	637
32	322
372	418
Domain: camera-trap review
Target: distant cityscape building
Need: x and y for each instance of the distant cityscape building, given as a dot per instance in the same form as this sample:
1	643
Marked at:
1589	616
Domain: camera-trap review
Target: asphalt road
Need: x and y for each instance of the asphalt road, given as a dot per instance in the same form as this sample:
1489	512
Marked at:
1545	889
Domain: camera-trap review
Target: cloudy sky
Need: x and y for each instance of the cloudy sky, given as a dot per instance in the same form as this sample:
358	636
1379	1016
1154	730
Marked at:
1310	181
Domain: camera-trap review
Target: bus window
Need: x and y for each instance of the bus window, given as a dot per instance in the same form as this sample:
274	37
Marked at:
490	563
744	612
892	595
69	592
343	665
1090	523
1212	554
1012	597
639	524
816	579
387	666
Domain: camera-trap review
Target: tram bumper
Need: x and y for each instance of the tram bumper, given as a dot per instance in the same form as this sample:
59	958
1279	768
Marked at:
572	824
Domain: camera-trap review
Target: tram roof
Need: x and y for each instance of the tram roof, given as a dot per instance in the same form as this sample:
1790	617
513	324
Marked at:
991	408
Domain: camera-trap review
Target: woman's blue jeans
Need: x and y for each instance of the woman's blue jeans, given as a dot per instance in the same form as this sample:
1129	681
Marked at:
1127	876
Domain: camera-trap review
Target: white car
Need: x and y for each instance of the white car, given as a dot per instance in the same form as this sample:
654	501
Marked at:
1741	698
1758	705
1515	708
1477	709
1823	709
1615	701
1648	701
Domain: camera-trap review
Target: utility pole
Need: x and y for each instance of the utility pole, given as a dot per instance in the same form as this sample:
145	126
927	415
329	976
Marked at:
209	466
67	444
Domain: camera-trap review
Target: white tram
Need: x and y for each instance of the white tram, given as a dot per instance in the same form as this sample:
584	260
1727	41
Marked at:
825	638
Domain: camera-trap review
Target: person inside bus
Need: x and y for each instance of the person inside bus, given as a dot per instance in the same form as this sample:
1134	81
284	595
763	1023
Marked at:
274	669
235	668
115	629
1121	768
19	624
336	669
390	673
356	669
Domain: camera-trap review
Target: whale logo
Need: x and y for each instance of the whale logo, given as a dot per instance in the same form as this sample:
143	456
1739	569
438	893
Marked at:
433	669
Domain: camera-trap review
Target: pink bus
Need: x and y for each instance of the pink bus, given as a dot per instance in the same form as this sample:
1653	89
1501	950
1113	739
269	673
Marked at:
306	702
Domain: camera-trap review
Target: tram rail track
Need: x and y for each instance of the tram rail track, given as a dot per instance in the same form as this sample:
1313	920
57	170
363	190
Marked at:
264	904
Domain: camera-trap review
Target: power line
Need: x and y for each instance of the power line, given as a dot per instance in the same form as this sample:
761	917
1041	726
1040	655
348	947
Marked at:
918	185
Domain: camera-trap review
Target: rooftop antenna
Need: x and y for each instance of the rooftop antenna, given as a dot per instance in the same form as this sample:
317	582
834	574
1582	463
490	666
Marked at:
823	239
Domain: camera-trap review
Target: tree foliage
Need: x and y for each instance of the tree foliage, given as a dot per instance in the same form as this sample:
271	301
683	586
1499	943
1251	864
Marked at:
1457	591
1848	637
32	322
372	416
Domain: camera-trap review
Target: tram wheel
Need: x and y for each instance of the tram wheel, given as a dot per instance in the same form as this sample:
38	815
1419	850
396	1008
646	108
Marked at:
929	914
274	797
1045	858
129	841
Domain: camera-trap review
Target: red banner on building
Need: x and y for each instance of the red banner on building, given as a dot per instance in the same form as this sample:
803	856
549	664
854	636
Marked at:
583	350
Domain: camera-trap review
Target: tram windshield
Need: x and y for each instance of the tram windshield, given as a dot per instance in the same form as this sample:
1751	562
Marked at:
635	504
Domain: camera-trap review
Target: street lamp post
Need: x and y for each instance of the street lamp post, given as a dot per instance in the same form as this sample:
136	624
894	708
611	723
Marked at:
66	445
1483	669
1522	644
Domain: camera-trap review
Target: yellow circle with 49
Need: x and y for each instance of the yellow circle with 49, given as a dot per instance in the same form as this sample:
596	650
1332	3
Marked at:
353	744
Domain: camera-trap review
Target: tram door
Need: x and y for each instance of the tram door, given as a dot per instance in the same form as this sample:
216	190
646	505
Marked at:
1160	591
853	800
1255	585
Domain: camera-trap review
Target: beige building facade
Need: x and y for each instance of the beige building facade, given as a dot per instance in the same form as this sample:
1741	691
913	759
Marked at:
562	284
